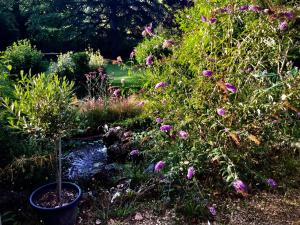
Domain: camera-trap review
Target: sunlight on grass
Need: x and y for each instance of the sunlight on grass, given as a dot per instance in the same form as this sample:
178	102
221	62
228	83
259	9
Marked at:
118	72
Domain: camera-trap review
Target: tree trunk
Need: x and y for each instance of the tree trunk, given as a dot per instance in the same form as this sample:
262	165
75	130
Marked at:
58	150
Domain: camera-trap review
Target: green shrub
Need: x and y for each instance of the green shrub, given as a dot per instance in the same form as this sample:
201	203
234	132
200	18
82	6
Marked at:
42	105
64	66
23	56
244	49
75	66
81	61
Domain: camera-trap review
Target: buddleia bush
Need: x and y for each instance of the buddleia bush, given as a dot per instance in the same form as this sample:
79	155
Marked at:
228	95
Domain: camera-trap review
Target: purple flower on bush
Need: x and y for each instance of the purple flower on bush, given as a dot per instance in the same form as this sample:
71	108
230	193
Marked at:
190	173
221	111
212	211
161	85
134	152
239	186
230	87
213	20
244	8
150	60
289	15
168	43
283	25
207	73
183	135
255	8
204	19
159	166
272	183
141	104
116	92
166	128
147	31
159	120
298	114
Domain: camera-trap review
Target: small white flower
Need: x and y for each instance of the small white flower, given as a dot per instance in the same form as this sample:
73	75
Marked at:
283	97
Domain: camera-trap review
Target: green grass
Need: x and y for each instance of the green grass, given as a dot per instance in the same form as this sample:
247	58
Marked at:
117	73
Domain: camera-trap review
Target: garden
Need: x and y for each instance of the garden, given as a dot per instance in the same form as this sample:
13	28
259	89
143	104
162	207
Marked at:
160	112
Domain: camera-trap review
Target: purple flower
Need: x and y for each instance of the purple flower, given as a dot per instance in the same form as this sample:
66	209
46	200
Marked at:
116	92
244	8
298	114
134	152
212	211
141	104
150	60
204	19
166	128
161	85
239	186
183	135
272	183
289	15
231	87
213	20
255	8
221	111
283	26
159	120
159	166
147	31
168	43
190	173
207	73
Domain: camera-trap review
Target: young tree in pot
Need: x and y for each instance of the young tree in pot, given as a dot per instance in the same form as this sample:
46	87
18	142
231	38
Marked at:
42	107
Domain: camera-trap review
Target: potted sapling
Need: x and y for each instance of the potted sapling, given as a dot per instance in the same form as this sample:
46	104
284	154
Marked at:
42	107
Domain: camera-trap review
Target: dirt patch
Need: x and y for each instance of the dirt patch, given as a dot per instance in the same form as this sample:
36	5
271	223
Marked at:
265	208
50	200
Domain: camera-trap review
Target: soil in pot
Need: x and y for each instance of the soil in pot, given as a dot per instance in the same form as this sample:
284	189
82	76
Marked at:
50	199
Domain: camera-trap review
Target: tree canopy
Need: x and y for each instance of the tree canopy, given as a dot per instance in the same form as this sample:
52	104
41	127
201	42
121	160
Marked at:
113	26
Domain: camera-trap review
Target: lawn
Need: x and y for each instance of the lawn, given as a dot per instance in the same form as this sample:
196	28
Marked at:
132	78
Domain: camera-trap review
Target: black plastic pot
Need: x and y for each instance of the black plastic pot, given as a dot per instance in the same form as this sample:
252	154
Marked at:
64	215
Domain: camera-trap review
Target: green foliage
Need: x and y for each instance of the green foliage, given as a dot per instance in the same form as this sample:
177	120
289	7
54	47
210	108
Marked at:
74	66
42	105
64	66
81	61
23	56
245	49
151	46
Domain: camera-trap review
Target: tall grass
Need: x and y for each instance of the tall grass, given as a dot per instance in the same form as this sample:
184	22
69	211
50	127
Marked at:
97	112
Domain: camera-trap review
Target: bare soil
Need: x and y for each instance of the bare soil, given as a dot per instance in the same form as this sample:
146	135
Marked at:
264	208
50	199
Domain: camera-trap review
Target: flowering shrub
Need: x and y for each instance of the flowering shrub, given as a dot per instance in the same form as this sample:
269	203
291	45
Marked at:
230	84
96	60
76	66
152	49
97	84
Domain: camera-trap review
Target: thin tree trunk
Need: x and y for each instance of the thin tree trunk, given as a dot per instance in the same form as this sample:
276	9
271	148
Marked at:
58	149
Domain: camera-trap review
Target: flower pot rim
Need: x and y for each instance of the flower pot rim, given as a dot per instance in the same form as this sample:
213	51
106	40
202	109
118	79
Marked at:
70	204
